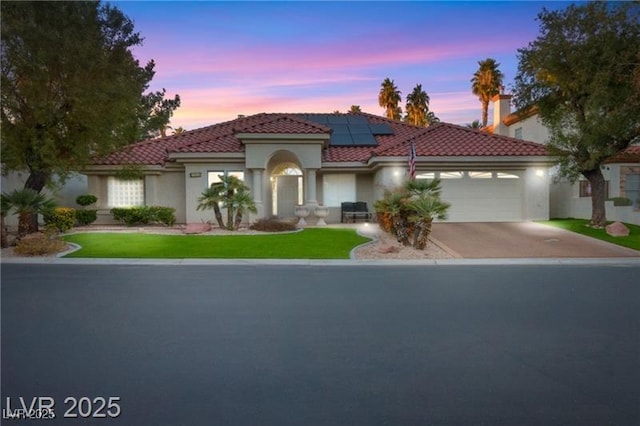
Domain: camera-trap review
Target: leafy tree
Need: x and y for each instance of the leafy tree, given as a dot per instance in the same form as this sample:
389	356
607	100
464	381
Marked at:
582	73
71	87
389	98
486	83
417	106
355	109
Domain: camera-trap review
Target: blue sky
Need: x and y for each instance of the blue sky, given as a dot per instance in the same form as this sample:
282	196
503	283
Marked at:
230	58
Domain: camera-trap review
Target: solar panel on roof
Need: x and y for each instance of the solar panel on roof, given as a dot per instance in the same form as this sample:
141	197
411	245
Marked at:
381	129
364	139
341	139
317	118
336	119
359	129
356	119
339	128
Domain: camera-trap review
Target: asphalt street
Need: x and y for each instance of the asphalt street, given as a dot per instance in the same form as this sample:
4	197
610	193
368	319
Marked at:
322	344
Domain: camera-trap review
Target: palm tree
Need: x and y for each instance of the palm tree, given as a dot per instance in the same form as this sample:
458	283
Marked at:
417	106
210	199
424	208
179	130
389	98
486	83
431	118
233	195
355	109
475	124
242	201
26	203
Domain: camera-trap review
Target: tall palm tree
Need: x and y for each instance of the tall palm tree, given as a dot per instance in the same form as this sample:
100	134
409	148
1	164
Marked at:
475	124
355	108
389	98
486	83
431	118
417	106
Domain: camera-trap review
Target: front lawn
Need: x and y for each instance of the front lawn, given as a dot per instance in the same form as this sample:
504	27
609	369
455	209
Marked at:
315	243
580	226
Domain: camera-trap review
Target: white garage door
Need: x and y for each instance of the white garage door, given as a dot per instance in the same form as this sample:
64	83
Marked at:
483	196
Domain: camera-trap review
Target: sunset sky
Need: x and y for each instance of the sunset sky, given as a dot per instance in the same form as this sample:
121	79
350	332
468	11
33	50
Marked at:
230	58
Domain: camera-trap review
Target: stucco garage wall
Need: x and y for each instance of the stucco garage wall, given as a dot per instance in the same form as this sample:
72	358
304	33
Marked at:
491	199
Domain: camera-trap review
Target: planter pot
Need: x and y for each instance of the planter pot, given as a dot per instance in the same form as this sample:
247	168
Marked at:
302	212
321	212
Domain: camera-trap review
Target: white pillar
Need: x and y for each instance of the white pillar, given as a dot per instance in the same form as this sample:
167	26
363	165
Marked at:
257	185
310	184
258	191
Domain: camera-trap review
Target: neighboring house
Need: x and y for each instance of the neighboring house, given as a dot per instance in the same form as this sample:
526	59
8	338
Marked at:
312	159
622	173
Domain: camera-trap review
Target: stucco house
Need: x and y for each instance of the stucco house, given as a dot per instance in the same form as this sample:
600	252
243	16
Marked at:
621	173
324	159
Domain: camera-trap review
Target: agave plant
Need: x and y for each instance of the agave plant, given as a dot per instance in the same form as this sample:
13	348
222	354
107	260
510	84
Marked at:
28	203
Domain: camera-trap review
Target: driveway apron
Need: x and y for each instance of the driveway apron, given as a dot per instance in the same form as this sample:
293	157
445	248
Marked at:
521	240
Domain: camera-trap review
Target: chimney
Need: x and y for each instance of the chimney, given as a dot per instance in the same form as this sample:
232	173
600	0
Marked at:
501	109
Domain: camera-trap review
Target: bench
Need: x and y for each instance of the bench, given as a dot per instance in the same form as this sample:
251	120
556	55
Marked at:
350	212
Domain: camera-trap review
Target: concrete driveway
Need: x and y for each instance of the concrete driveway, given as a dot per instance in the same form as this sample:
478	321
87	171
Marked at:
520	240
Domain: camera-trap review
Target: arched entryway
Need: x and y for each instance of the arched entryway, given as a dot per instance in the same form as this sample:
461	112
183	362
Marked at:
286	183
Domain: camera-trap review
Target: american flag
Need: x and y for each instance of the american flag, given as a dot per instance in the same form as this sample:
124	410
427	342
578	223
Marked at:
412	161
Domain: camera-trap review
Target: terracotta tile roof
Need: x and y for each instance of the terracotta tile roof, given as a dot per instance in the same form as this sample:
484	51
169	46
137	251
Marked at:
629	155
441	139
282	123
450	140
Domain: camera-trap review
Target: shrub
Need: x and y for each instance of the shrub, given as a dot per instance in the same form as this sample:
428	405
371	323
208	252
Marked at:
39	244
86	200
86	217
131	215
621	201
60	218
144	215
272	224
164	215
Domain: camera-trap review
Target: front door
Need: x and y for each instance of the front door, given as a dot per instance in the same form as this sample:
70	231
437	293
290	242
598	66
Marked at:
287	195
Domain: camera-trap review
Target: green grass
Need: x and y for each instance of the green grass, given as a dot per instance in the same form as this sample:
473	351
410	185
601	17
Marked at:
580	226
309	244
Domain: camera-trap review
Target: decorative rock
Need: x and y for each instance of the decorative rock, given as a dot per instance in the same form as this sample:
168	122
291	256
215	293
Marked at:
617	229
197	228
386	248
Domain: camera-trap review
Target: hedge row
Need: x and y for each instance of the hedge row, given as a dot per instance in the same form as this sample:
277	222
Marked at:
144	215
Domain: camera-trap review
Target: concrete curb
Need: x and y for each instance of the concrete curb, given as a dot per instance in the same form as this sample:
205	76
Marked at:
632	262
